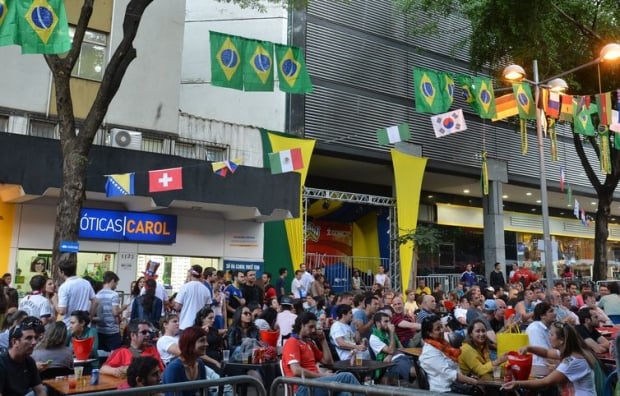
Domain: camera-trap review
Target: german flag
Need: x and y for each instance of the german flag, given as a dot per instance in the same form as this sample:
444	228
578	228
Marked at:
505	106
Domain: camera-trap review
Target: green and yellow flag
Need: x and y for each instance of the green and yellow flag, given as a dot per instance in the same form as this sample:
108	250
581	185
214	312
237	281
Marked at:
467	91
43	27
226	60
484	96
258	66
8	23
433	91
582	119
525	103
292	71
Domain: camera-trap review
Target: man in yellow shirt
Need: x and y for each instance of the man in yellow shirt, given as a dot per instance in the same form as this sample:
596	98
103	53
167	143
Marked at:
422	288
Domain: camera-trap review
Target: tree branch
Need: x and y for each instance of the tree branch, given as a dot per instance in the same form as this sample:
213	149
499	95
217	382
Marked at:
579	25
586	164
124	54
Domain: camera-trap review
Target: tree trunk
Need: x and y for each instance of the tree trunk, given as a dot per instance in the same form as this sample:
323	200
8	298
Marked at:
601	233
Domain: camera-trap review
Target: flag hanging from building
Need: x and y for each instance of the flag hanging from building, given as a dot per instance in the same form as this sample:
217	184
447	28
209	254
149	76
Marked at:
562	175
258	66
8	22
505	106
525	103
292	71
286	161
393	134
43	27
222	168
448	123
483	93
226	60
119	185
583	217
446	82
467	91
553	106
569	195
166	179
431	91
576	209
566	108
582	120
615	124
604	108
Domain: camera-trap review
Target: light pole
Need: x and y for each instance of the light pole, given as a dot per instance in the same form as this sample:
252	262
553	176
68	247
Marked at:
515	72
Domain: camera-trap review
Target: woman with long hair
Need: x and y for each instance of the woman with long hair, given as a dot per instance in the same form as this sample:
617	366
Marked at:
475	357
242	327
205	318
439	359
80	330
53	347
168	343
147	306
576	366
189	366
136	289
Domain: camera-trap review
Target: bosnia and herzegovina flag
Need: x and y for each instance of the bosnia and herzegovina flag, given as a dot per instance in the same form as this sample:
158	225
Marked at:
258	66
39	26
226	60
119	185
292	71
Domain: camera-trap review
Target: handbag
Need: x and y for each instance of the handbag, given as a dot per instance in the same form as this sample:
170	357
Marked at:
511	340
466	389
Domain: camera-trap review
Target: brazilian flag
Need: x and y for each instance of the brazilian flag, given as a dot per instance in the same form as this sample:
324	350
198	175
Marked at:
582	120
8	22
258	66
226	60
43	27
484	96
292	71
467	91
525	103
432	91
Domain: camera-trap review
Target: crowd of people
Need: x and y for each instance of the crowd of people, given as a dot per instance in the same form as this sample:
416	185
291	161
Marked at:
183	337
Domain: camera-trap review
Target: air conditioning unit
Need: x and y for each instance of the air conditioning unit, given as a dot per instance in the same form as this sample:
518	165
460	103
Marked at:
126	139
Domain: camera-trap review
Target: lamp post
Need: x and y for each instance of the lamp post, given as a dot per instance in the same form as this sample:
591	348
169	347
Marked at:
515	72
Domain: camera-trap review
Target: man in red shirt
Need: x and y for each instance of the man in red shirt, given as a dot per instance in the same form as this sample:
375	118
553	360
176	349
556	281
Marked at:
300	355
525	275
120	359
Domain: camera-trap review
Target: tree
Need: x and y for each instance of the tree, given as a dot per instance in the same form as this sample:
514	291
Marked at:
75	147
424	238
519	31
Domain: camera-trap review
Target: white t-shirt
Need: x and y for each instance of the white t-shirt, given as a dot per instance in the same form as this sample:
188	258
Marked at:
163	344
285	321
380	279
338	330
306	280
538	335
578	371
297	288
36	305
75	294
193	296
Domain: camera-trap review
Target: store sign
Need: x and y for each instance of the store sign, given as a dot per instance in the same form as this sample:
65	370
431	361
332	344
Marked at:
240	265
127	226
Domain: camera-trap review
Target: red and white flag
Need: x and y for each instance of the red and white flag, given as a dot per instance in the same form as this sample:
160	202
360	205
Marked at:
166	180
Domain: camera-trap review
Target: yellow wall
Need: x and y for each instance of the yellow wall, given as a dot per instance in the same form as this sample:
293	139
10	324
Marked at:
7	217
102	14
83	93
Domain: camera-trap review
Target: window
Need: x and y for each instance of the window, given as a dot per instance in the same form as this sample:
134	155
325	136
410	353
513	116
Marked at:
187	150
152	145
4	123
43	129
215	154
92	61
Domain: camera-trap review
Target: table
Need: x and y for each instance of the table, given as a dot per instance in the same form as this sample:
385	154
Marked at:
415	352
61	386
360	372
609	332
268	370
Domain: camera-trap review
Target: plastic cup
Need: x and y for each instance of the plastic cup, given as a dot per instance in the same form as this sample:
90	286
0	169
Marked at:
246	358
497	372
72	382
358	359
226	355
78	371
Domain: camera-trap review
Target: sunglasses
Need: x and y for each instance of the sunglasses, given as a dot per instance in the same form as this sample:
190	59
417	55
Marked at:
28	323
145	332
247	313
559	325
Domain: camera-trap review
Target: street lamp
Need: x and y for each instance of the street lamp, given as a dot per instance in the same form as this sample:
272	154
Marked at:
609	52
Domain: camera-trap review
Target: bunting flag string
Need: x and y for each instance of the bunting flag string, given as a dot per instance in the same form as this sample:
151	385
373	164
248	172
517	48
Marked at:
523	129
484	177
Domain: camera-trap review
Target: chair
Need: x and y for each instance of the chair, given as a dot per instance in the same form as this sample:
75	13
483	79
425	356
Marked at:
615	319
288	391
610	383
54	372
422	377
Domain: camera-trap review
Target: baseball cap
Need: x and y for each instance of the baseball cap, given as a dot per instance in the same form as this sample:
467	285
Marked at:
491	289
490	305
286	301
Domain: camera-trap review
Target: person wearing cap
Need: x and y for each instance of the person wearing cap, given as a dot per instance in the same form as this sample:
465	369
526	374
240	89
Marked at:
192	296
496	318
286	317
18	371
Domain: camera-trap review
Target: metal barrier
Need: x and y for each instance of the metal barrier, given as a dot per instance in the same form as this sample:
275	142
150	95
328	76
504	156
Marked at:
339	269
332	387
217	387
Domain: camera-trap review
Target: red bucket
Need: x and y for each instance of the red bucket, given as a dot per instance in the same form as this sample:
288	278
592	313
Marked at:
521	365
270	337
82	348
509	312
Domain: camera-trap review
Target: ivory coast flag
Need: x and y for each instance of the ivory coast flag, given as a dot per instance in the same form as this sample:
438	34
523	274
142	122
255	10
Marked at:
286	161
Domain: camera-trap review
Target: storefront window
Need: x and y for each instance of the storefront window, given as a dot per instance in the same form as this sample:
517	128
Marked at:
172	271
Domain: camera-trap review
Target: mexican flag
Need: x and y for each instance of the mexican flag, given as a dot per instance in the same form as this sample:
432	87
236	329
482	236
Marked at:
393	134
286	161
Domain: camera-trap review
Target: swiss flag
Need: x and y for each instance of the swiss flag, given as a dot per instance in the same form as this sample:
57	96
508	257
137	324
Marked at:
166	180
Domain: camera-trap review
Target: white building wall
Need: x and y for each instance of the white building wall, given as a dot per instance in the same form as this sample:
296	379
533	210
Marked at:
25	81
149	95
198	96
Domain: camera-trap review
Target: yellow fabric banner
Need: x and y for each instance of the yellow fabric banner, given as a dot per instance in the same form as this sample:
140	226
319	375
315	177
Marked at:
7	216
408	174
295	227
366	242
